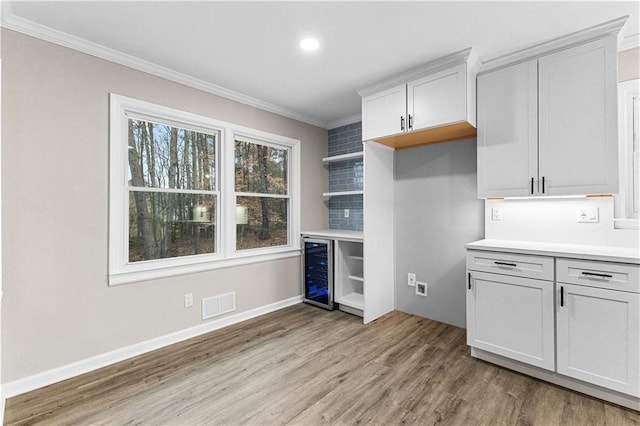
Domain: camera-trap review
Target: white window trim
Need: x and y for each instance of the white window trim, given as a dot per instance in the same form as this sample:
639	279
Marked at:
123	272
624	200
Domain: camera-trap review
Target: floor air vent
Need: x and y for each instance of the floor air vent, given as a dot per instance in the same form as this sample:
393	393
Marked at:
218	305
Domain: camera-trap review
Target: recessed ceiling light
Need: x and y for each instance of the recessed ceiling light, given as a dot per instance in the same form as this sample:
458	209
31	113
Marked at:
309	44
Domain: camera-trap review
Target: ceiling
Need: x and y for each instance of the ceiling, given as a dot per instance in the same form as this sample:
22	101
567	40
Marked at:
251	48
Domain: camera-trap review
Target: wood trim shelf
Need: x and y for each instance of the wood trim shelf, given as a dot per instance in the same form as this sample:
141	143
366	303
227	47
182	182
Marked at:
449	132
357	277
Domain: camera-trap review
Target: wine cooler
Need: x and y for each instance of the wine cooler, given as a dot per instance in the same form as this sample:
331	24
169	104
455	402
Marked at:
317	272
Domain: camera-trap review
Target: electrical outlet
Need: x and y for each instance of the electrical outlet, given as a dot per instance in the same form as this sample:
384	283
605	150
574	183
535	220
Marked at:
587	214
411	279
496	213
346	213
421	289
188	300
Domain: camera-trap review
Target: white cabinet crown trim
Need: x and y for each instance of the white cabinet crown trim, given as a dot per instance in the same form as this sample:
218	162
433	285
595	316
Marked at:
588	34
463	56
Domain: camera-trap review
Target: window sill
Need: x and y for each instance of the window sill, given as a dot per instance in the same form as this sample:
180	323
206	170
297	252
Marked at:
626	223
128	277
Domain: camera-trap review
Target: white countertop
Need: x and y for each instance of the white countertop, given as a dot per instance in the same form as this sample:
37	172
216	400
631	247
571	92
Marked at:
579	251
336	234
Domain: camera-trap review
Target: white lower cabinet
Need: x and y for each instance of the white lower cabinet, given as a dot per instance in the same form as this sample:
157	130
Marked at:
350	291
599	337
511	316
583	324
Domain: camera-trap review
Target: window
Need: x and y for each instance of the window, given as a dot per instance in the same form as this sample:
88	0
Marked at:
189	193
172	191
262	201
628	200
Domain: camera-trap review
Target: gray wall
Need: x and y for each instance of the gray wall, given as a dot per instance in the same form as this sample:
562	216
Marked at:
629	64
57	306
436	213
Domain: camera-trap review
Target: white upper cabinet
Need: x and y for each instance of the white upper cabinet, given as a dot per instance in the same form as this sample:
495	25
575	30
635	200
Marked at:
384	113
578	119
508	131
437	99
547	120
432	103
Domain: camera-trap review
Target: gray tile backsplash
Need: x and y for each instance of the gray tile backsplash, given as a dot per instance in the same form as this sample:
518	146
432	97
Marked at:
337	205
346	176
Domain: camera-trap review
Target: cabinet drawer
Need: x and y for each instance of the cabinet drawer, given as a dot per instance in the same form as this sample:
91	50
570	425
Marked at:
517	265
609	275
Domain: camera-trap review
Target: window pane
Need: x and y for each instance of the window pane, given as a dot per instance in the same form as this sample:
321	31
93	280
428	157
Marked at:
163	156
261	169
165	225
261	222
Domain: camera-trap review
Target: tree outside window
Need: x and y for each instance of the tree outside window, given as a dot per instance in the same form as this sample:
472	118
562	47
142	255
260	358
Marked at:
262	200
188	193
172	198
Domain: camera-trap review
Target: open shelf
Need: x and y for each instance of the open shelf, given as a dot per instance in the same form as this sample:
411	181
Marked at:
343	157
342	193
354	300
349	278
357	277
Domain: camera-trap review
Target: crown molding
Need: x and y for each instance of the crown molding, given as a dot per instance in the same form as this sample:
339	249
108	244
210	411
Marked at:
608	28
630	42
344	121
42	32
463	56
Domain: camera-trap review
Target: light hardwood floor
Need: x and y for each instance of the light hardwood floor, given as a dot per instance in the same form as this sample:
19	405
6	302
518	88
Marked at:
303	365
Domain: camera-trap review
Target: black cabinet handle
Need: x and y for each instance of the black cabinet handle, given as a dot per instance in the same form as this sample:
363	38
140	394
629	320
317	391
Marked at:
402	123
469	280
531	186
543	184
561	296
513	265
410	122
593	274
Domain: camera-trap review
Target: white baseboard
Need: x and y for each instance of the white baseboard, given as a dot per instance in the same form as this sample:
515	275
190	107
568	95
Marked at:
77	368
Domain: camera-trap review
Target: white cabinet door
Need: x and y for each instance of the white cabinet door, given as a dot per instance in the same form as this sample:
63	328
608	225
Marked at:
599	337
512	317
578	119
384	113
508	131
438	99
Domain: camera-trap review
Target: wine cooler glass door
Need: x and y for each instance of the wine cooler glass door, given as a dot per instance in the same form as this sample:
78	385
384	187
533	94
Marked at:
318	273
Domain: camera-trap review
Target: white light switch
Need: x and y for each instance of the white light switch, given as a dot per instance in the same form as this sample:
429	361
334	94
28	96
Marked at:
587	214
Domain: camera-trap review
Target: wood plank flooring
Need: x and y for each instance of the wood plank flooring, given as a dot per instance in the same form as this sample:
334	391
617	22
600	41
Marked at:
306	366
